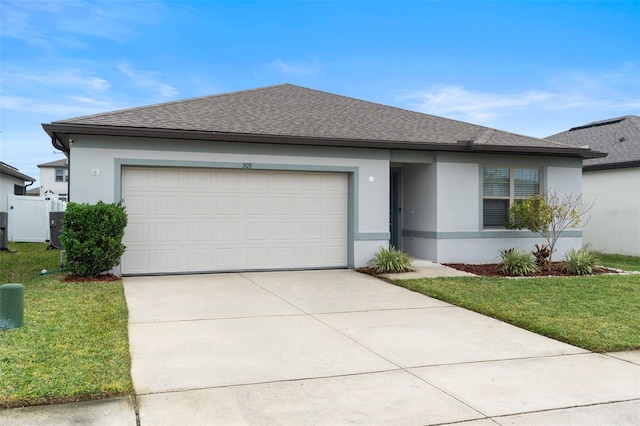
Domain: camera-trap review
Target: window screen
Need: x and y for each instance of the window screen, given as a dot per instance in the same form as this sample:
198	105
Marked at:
496	182
527	182
503	186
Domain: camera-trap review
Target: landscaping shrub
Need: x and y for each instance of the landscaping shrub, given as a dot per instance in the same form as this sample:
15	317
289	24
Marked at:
92	237
391	260
549	215
581	262
517	262
542	254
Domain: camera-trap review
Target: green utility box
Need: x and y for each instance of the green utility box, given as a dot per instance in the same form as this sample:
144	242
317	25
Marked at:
11	306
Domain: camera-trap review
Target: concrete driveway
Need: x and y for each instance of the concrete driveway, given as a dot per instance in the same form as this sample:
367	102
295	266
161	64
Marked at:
338	347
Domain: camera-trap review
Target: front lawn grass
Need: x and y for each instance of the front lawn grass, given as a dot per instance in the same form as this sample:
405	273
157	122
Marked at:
620	261
599	313
73	345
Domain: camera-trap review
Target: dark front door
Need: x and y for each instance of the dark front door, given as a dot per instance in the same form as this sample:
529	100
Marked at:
394	209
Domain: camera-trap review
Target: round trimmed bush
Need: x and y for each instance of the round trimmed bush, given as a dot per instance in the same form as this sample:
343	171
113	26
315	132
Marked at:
92	236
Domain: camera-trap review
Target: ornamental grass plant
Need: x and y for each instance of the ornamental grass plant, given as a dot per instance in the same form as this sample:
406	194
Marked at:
581	262
515	261
391	260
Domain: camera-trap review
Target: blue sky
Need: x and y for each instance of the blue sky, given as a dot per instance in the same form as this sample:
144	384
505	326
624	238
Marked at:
535	68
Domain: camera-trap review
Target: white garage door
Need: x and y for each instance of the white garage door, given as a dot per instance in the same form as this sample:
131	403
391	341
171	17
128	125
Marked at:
200	220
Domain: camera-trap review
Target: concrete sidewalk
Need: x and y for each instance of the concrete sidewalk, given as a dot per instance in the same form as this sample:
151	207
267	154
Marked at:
338	347
427	269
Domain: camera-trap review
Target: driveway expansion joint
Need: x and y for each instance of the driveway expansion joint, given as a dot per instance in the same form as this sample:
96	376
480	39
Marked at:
291	380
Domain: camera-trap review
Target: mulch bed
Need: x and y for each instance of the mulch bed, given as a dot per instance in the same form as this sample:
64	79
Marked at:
370	270
491	270
99	278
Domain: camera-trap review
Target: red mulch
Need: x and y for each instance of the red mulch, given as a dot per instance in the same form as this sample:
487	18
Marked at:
490	270
369	270
99	278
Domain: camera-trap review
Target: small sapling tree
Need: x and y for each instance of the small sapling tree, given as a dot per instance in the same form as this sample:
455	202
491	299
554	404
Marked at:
92	237
549	215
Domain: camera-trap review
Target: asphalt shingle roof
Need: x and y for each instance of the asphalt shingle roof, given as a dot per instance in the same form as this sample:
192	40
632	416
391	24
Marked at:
56	163
298	112
620	137
8	170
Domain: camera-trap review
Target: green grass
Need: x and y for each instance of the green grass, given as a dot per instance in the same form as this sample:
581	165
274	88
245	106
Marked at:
73	345
619	261
599	313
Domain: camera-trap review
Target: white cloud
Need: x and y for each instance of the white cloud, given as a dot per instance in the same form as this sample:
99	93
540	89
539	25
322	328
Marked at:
74	78
292	68
15	22
58	108
564	101
147	80
44	23
478	107
57	93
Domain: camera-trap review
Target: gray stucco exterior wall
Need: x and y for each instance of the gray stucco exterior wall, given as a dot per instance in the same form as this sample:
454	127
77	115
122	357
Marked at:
441	195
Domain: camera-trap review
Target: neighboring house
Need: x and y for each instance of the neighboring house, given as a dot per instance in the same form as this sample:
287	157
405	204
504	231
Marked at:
613	182
286	177
12	182
54	177
35	192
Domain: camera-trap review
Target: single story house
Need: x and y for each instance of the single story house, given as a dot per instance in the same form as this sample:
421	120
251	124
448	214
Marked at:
12	182
612	182
286	177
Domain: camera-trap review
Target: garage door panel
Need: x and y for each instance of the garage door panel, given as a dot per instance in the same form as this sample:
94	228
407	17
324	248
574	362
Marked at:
284	231
200	231
283	206
167	232
229	206
258	205
201	220
257	181
227	232
283	182
335	206
227	180
167	205
136	232
138	178
197	259
200	205
138	259
167	258
334	231
228	258
166	179
199	180
335	253
138	204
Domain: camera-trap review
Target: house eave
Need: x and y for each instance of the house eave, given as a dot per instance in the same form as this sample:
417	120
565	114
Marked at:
8	171
611	166
61	135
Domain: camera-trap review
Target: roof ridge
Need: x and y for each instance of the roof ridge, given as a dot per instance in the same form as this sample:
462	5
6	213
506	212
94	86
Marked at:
632	119
481	129
161	104
295	112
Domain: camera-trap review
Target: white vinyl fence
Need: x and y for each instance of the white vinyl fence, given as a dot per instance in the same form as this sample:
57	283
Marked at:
28	218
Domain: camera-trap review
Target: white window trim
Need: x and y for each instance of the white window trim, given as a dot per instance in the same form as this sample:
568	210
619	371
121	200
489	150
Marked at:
65	175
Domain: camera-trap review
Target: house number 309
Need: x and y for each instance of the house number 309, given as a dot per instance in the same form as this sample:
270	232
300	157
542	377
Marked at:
247	165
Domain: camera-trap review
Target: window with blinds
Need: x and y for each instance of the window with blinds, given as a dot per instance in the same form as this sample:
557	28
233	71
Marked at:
503	186
62	175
